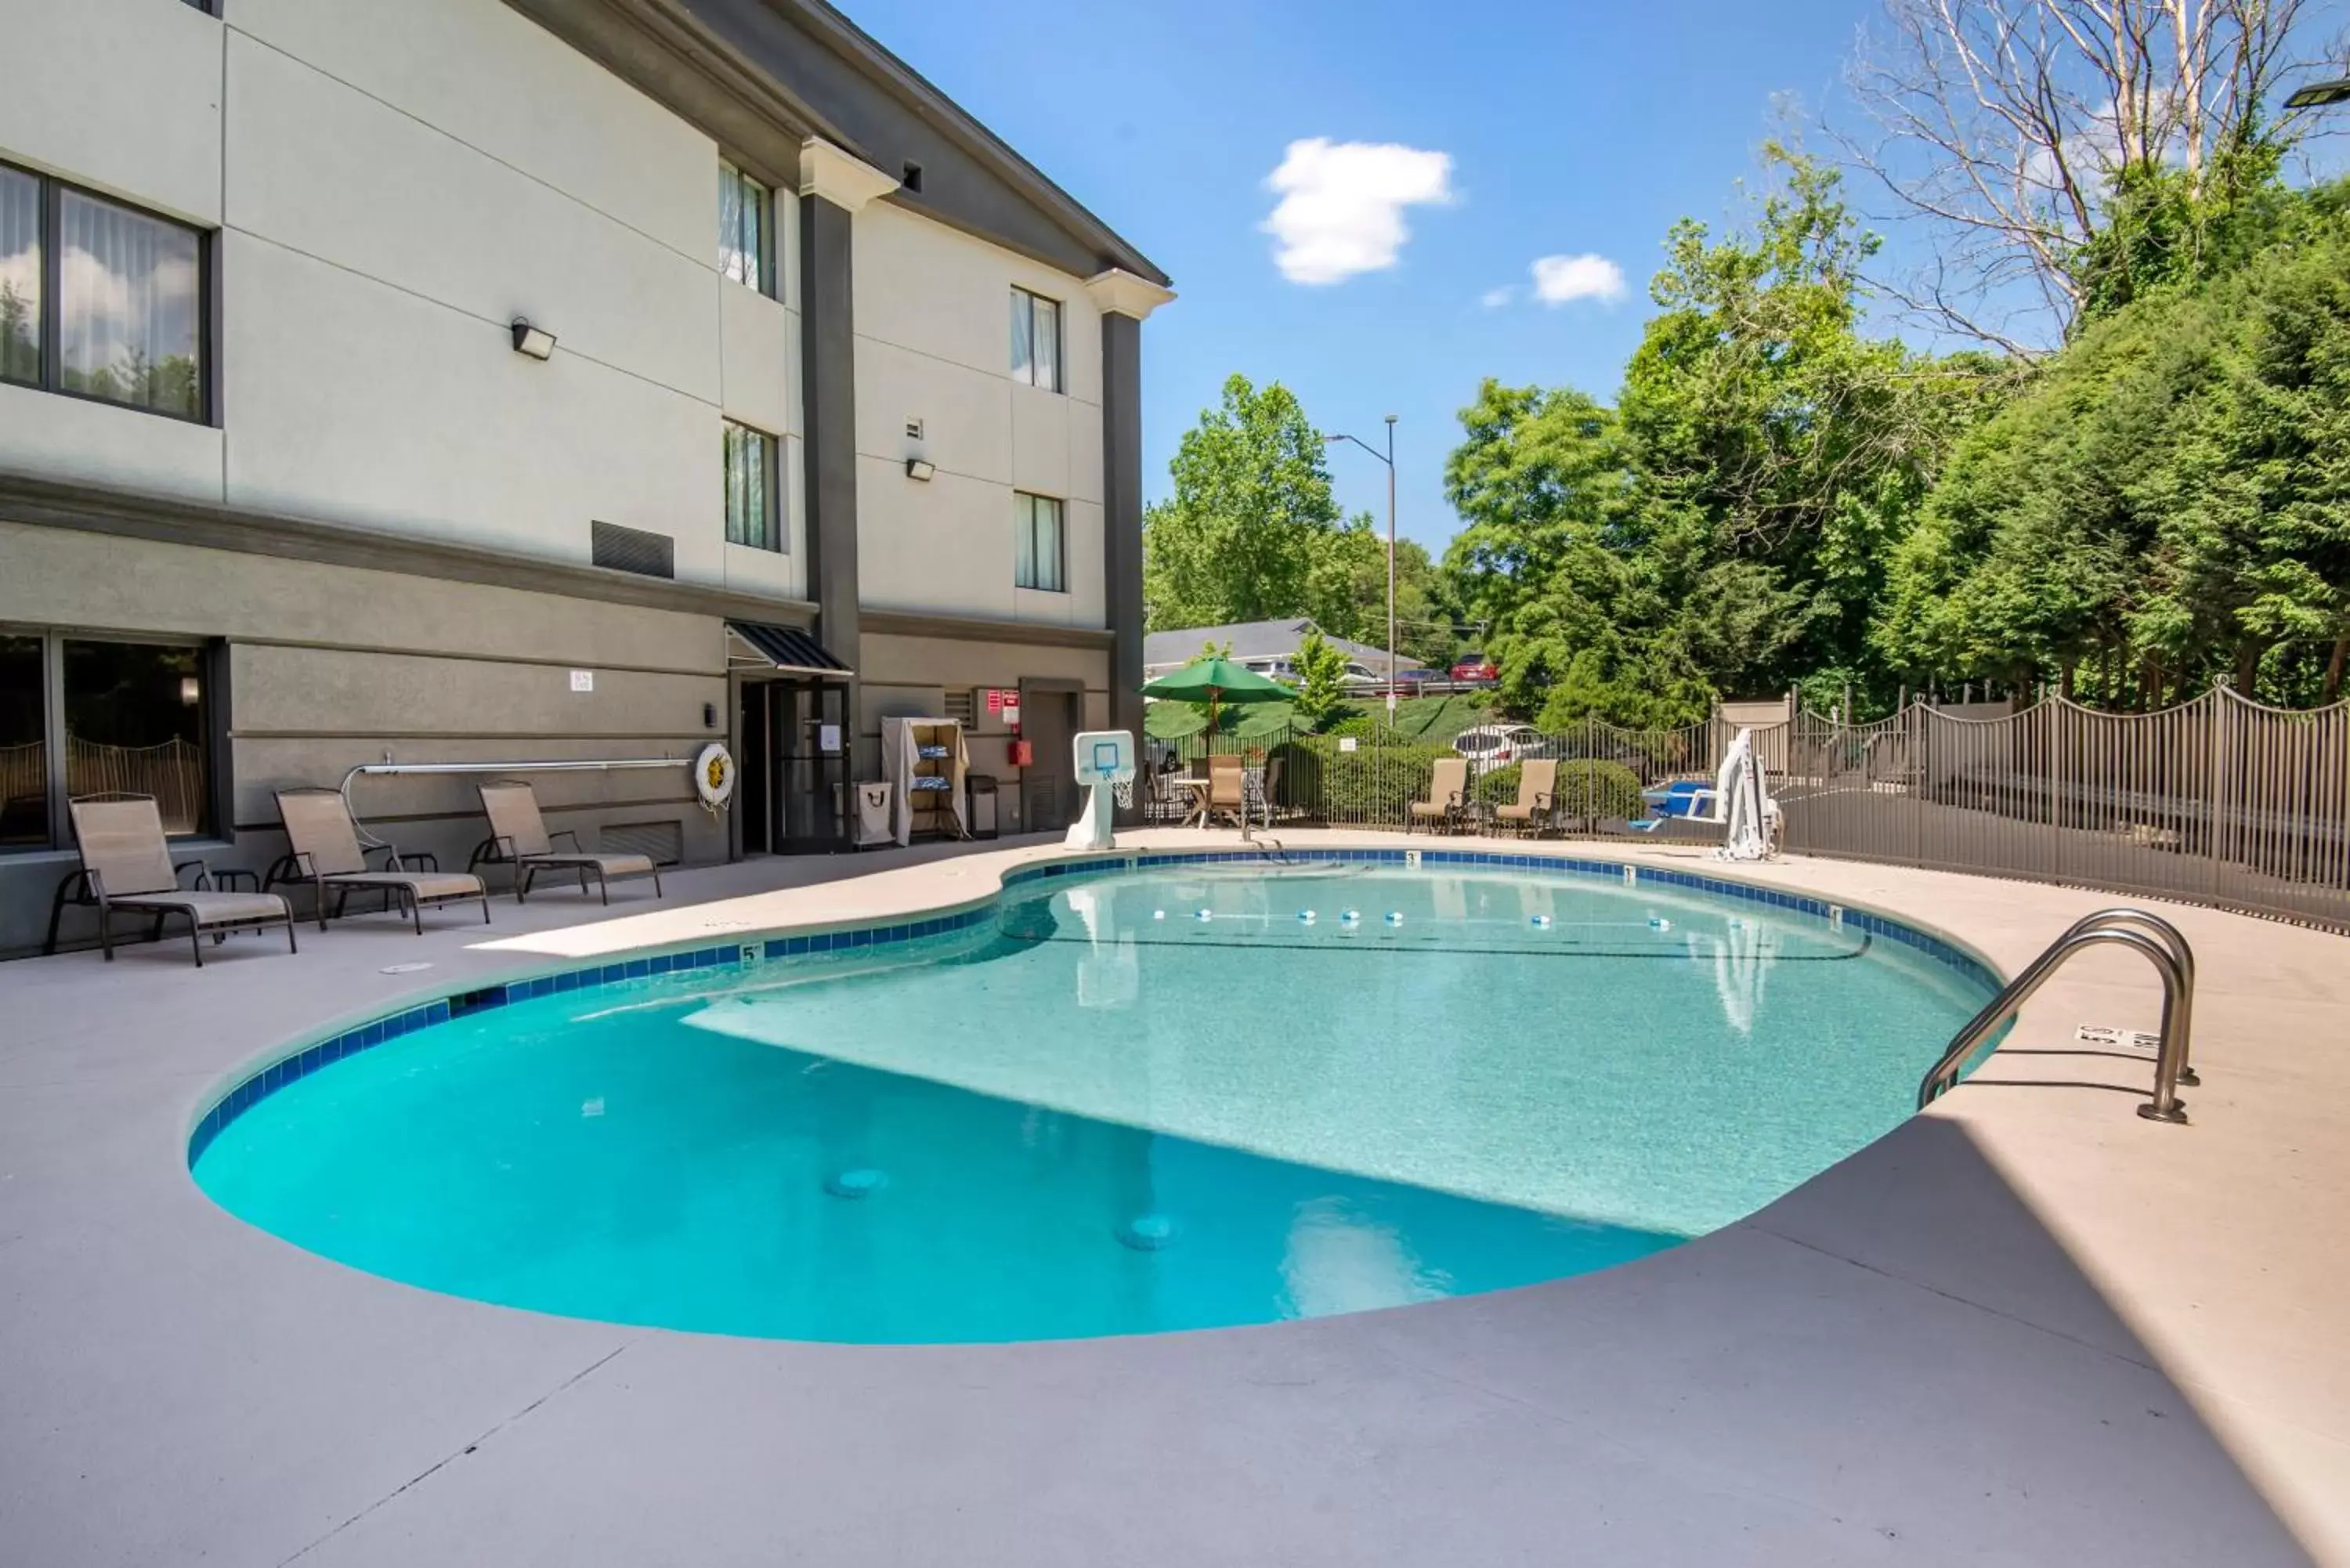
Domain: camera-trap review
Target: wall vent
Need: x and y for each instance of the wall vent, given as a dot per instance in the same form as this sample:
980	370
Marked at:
961	703
647	553
664	841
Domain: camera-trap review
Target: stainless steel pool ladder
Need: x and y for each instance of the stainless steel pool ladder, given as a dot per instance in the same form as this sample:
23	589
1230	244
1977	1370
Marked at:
2164	948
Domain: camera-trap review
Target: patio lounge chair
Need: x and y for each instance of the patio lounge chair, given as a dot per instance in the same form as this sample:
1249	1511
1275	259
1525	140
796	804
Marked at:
1227	788
1536	806
325	853
518	834
126	865
1448	795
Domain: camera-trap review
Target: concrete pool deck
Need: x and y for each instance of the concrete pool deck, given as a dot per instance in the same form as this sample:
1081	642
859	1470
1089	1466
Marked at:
2026	1326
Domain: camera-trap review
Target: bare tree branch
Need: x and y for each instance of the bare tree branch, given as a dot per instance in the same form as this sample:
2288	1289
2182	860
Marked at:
2009	126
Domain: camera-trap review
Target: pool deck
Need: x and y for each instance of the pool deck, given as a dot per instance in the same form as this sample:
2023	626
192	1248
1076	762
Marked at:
2025	1328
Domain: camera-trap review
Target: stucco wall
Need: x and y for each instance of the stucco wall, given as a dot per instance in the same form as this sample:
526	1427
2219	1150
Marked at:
911	675
399	181
933	312
332	666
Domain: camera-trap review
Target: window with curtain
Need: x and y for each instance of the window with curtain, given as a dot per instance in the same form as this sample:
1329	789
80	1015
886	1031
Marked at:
754	508
20	277
745	229
100	299
130	307
1036	544
1036	340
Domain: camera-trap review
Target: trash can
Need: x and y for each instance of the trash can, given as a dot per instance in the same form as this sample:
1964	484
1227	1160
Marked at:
979	814
873	823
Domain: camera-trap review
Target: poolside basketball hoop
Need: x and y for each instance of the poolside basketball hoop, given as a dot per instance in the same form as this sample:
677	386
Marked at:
1105	759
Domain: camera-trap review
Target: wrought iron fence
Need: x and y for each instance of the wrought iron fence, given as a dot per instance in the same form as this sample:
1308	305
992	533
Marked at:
2220	801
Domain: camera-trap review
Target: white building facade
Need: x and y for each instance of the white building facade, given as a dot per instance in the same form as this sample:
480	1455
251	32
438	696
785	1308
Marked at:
558	380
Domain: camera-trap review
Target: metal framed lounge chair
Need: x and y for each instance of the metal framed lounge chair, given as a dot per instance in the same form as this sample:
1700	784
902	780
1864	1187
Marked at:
518	834
126	865
1536	807
325	853
1447	796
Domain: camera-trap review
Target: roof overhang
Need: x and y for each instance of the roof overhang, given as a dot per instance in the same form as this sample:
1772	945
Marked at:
761	77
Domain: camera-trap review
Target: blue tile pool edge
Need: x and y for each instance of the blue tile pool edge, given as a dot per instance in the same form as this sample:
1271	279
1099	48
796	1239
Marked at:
261	1082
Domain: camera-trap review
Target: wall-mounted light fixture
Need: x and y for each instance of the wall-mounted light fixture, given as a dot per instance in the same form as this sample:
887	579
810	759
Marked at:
535	341
191	691
710	715
919	468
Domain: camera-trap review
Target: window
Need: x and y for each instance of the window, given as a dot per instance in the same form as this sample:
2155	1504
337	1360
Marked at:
132	717
100	300
745	229
1036	544
754	517
1036	340
24	744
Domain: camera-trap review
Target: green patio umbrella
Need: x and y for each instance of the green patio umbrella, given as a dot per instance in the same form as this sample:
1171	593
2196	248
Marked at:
1216	682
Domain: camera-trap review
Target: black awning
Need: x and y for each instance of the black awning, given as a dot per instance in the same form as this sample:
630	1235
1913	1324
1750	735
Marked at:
789	649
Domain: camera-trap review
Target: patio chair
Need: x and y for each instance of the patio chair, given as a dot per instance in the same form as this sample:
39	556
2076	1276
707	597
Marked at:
1448	795
1536	807
518	834
1227	789
325	853
126	865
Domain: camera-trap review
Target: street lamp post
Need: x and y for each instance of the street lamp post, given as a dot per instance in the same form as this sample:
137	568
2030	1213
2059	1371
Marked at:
1388	458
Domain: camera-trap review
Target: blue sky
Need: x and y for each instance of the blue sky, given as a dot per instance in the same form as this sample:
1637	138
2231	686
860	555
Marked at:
1577	128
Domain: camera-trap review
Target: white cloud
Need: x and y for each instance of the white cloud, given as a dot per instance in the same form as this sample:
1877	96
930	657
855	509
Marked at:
1341	208
1495	299
1559	279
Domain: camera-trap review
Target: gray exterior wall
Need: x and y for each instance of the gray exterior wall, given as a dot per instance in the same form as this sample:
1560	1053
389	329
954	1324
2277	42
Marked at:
331	666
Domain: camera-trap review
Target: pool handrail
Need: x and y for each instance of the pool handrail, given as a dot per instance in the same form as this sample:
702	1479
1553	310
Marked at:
2173	961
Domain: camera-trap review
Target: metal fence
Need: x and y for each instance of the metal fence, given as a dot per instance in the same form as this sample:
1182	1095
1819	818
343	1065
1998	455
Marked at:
2219	801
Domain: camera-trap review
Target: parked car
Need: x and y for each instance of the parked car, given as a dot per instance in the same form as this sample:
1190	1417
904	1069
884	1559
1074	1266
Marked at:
1491	746
1475	670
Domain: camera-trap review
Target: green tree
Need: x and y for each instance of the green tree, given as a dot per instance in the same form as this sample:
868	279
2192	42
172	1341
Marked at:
1321	680
2168	502
1251	514
1724	530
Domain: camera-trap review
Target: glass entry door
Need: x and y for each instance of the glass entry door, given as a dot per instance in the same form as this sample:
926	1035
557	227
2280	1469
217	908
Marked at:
808	799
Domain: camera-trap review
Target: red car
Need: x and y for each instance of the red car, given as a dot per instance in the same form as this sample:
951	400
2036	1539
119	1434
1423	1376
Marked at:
1475	670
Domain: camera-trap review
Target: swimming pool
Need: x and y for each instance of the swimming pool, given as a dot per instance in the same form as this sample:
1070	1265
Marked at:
1179	1095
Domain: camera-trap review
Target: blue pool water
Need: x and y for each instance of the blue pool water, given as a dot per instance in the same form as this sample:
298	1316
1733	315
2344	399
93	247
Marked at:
1159	1100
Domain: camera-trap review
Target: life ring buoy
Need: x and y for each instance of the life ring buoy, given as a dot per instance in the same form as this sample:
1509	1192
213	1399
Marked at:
714	775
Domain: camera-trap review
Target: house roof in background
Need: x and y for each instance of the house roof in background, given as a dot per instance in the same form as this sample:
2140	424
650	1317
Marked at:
1249	639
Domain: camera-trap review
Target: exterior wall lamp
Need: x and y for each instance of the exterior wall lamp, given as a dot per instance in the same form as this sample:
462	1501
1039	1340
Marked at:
535	341
917	468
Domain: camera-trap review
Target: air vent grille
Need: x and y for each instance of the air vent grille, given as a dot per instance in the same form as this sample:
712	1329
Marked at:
647	553
961	703
664	841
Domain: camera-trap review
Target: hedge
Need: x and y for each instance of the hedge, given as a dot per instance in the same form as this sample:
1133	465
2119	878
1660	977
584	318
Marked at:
1367	784
1586	791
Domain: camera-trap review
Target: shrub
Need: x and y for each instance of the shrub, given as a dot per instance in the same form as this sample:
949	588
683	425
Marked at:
1587	791
1373	783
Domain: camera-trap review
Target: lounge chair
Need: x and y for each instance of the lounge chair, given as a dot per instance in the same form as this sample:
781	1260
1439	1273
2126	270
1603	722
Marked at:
1227	789
518	834
1536	807
325	853
1448	795
126	865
